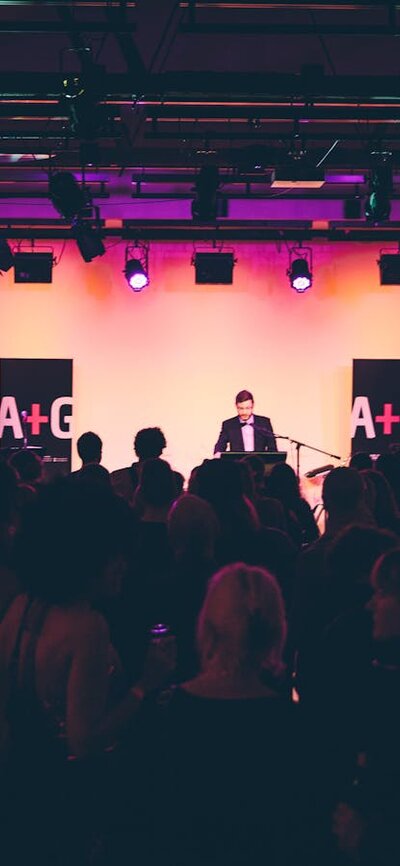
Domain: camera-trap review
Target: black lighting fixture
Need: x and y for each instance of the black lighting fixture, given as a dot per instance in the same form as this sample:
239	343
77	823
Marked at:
81	94
137	265
207	205
88	238
33	267
66	194
297	175
389	267
73	202
6	256
378	204
213	268
300	268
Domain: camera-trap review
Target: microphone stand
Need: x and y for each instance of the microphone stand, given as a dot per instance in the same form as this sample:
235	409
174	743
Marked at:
304	445
24	425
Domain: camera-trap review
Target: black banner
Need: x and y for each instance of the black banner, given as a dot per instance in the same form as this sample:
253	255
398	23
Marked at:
36	406
375	416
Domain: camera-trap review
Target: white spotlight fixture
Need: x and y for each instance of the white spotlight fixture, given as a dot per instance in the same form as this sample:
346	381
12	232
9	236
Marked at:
300	268
137	265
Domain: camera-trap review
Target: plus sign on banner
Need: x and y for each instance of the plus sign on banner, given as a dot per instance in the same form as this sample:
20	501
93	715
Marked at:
36	406
375	416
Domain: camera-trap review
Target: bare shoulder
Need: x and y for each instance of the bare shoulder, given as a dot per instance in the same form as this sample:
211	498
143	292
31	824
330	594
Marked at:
76	629
88	623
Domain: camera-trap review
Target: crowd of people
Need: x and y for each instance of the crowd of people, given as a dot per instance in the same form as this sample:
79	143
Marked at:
198	676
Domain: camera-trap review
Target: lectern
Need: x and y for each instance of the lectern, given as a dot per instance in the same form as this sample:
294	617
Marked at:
269	458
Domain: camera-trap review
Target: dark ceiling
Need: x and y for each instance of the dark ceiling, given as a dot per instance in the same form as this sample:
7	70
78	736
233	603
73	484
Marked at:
259	90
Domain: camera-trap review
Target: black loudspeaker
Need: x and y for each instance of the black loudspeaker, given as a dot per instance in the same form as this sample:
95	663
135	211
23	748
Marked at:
33	267
389	266
214	268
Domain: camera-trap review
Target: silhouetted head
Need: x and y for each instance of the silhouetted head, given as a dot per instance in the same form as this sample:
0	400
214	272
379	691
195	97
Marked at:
157	487
89	447
192	527
28	465
343	491
361	460
220	483
356	550
149	442
283	484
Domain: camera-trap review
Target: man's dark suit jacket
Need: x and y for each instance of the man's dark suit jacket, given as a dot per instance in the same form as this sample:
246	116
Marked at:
231	434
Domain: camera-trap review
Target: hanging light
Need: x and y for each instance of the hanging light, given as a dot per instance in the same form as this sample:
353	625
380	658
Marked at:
378	204
88	239
137	266
66	194
300	268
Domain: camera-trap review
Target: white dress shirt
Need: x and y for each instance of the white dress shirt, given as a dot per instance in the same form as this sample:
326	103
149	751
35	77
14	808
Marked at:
248	434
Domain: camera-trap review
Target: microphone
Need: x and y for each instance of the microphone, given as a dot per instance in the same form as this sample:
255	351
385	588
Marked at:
321	470
24	425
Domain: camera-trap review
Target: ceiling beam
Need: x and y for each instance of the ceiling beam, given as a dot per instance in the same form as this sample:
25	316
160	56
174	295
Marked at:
184	230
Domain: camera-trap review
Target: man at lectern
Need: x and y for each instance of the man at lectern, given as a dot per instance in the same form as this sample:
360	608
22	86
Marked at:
246	431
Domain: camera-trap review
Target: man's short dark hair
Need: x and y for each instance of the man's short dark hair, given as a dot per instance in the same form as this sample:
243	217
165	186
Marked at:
89	447
361	460
242	396
149	442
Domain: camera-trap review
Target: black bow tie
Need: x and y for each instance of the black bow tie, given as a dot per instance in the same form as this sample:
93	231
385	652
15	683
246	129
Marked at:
246	424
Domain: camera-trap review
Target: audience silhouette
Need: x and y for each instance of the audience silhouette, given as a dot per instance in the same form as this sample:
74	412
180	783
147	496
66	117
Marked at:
221	736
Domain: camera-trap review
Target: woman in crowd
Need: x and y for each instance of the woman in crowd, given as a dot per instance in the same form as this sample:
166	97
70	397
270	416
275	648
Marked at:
63	697
229	774
283	484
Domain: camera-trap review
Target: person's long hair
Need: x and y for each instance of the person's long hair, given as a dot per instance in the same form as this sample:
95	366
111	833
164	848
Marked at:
242	621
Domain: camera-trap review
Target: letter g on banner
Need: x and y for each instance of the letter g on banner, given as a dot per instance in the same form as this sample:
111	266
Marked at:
55	418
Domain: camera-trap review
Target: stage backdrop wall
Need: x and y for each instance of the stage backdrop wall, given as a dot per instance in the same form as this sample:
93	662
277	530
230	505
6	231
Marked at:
176	354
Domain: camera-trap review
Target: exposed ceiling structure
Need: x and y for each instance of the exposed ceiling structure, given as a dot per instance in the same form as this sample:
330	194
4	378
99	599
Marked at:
280	119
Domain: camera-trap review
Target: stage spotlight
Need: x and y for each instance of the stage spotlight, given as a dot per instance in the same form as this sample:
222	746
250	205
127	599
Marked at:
137	266
213	268
135	275
6	256
66	195
205	202
378	204
300	268
33	267
88	239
